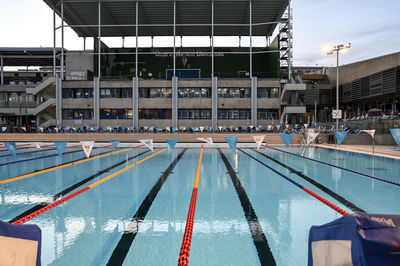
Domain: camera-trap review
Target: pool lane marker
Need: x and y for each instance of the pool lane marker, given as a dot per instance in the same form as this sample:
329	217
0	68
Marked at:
64	165
260	241
325	201
187	237
62	200
331	193
336	166
71	188
122	248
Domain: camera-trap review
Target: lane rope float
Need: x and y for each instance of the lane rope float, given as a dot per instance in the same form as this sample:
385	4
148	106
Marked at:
64	165
187	237
315	195
62	200
336	166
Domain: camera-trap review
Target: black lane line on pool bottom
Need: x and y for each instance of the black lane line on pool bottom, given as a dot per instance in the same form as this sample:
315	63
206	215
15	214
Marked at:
121	250
71	188
331	193
260	241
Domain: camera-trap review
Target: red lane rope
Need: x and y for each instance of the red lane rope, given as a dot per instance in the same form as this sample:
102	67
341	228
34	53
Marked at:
50	206
326	202
187	237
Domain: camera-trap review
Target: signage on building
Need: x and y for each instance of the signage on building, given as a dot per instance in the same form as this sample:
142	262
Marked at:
188	54
337	114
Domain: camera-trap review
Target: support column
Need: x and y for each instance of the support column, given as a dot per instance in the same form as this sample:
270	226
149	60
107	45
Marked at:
2	70
137	34
174	38
62	40
214	102
135	102
58	100
251	40
254	101
212	39
99	42
54	42
289	42
84	43
174	101
96	102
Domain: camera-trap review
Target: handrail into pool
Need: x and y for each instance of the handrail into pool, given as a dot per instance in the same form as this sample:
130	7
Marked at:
315	195
187	237
64	165
60	201
336	166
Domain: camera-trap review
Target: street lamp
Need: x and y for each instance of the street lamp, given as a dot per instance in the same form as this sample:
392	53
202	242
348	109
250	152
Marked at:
330	51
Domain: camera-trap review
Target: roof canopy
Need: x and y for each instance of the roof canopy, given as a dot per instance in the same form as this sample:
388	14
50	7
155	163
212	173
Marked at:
27	56
156	18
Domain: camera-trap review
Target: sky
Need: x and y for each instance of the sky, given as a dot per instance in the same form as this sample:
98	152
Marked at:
371	26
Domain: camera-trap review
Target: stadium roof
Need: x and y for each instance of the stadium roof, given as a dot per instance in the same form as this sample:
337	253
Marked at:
156	18
27	56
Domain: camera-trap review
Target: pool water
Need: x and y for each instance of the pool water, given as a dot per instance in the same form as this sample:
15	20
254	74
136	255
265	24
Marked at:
89	228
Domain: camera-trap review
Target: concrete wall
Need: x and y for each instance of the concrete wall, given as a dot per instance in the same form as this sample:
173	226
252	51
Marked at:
82	103
351	72
76	61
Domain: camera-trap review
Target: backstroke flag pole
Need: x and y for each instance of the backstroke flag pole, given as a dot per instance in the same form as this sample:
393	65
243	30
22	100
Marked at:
371	132
115	143
11	147
232	141
60	145
286	138
396	134
148	143
259	140
87	147
340	136
311	137
171	143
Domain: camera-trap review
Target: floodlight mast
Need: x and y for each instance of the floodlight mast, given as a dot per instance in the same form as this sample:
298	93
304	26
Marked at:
337	49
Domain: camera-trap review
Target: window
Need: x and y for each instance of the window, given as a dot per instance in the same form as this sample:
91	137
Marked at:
234	93
194	114
155	92
149	114
266	114
116	113
267	93
235	114
77	93
77	114
194	92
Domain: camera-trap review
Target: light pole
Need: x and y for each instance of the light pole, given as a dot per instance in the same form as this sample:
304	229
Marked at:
330	51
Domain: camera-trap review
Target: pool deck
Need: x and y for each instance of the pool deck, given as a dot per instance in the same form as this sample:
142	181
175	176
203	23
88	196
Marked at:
389	151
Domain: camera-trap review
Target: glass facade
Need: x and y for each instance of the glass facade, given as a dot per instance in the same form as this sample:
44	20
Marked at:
149	114
265	114
116	93
194	92
194	114
69	114
155	92
234	92
267	93
237	114
116	113
77	92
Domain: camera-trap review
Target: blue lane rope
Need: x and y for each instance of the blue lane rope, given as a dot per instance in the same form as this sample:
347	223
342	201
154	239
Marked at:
5	155
336	166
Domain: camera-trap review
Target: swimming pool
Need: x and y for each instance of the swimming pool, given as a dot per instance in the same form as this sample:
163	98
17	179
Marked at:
140	214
